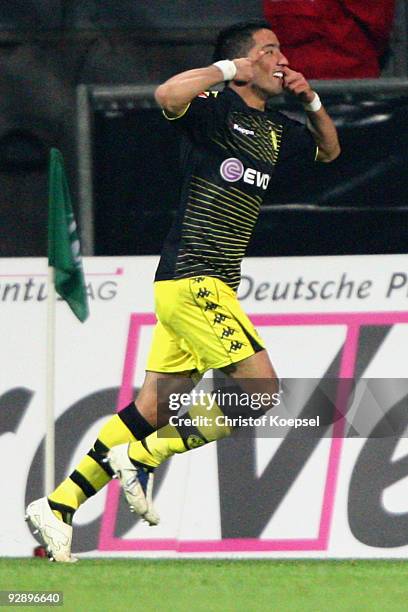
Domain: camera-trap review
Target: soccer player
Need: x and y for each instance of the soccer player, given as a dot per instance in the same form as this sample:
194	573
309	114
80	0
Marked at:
231	146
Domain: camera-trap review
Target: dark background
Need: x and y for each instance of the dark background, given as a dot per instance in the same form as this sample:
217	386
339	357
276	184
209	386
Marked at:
353	205
49	47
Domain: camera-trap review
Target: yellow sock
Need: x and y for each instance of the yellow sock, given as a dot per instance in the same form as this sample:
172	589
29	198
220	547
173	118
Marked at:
92	474
172	439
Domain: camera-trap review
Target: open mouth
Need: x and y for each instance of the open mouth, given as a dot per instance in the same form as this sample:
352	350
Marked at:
278	74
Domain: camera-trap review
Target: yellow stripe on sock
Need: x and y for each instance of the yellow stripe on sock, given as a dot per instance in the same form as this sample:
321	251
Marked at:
162	444
68	494
115	432
167	441
93	472
209	427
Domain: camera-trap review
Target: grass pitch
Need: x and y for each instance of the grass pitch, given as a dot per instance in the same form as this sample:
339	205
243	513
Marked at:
214	585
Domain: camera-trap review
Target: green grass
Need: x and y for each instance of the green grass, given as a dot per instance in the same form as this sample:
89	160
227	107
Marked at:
225	586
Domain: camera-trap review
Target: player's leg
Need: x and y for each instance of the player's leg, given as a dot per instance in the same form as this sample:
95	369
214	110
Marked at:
137	479
51	517
136	421
92	474
220	336
211	324
253	375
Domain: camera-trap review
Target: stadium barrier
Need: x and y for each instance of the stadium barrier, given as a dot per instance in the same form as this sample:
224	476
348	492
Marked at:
338	493
355	205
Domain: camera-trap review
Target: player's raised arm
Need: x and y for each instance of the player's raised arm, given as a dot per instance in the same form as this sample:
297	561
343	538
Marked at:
318	121
175	94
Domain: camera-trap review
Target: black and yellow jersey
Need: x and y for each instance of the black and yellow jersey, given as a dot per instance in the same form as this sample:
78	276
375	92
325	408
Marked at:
229	153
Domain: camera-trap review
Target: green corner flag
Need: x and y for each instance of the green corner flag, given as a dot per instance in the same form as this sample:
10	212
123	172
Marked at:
64	253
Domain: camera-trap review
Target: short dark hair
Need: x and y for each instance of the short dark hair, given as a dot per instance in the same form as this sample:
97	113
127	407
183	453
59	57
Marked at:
236	40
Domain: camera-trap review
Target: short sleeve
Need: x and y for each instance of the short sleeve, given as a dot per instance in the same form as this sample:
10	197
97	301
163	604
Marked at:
298	144
201	117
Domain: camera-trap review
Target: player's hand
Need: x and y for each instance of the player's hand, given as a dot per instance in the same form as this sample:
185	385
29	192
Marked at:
296	84
245	70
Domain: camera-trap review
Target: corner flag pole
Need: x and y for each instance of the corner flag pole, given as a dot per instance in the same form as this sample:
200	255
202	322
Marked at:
49	457
65	277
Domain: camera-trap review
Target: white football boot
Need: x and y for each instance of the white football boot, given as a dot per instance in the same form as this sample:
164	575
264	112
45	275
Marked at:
136	482
54	533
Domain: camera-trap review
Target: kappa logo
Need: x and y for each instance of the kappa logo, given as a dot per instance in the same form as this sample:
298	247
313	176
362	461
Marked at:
235	346
227	331
232	170
243	130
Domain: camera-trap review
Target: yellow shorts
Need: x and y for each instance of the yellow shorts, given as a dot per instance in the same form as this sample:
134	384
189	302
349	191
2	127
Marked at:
201	326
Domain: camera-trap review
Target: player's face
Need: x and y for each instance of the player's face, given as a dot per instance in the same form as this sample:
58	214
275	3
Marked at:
268	62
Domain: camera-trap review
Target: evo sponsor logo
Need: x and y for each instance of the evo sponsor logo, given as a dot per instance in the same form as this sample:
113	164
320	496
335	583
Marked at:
233	170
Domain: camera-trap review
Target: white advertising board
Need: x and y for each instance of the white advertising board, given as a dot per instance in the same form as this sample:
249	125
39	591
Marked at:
333	496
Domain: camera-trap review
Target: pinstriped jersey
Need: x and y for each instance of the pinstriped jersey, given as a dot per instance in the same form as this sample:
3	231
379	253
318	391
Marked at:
229	154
